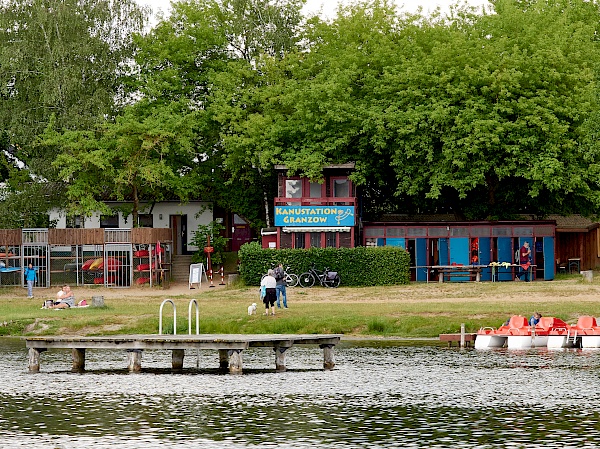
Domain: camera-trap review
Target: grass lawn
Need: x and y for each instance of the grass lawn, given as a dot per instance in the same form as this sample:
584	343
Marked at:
415	310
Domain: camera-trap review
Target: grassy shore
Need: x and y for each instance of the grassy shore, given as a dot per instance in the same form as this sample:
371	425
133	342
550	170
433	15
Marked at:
415	310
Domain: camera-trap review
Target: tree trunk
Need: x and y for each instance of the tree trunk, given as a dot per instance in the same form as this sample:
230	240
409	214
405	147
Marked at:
136	207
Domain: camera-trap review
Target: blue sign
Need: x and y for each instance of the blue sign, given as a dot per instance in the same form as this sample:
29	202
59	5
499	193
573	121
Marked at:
314	216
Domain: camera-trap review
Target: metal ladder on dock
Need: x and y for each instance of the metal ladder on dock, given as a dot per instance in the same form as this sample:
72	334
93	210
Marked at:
193	302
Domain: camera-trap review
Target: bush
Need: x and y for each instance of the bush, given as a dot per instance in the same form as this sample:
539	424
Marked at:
357	267
217	242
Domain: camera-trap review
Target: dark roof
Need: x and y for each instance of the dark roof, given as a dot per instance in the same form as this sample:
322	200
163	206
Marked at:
573	223
332	166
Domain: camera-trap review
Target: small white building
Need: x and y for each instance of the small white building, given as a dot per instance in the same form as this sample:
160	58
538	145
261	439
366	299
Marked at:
182	218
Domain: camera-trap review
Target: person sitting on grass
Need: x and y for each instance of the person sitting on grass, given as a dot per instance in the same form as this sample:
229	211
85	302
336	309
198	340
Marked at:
64	298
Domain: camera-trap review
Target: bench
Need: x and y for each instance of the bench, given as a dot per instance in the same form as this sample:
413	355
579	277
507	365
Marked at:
467	271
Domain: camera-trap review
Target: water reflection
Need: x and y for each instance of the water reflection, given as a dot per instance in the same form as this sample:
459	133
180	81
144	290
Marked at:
380	395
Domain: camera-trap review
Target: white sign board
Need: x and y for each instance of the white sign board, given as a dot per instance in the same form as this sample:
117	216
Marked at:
196	270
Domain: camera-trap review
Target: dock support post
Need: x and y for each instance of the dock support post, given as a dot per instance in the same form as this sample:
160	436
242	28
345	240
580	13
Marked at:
280	357
78	360
328	359
223	359
134	360
34	359
462	335
235	361
177	359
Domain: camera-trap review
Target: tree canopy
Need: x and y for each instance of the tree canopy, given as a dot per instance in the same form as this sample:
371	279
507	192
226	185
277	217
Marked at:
486	113
63	62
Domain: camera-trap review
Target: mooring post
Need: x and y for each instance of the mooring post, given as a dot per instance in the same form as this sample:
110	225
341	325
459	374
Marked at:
78	360
134	360
328	359
223	359
235	361
462	335
34	359
177	359
280	357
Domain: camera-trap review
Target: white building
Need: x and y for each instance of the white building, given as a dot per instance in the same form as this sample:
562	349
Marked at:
182	218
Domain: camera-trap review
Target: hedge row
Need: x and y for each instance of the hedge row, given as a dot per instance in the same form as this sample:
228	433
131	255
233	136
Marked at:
357	267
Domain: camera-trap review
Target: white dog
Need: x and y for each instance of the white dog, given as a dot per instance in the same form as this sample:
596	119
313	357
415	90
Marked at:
252	309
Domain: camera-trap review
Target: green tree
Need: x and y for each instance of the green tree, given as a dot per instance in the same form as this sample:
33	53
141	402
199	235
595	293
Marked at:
60	61
484	115
494	112
200	49
64	59
137	157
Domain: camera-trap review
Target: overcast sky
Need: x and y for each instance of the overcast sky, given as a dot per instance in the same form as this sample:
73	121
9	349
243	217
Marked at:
329	6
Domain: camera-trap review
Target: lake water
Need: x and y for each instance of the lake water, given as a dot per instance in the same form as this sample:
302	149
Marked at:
380	395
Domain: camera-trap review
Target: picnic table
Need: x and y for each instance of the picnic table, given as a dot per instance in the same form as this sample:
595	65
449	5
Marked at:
473	272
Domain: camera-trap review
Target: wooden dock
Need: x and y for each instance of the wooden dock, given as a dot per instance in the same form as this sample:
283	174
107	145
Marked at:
463	340
229	347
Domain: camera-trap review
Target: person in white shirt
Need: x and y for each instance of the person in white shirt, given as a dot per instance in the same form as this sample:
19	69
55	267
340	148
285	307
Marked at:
270	284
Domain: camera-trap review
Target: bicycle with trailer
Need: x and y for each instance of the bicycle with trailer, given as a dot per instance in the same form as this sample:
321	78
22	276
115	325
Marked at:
326	278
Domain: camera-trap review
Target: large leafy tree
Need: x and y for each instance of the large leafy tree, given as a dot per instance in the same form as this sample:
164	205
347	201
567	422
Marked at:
494	115
61	58
62	61
487	115
132	159
211	46
167	144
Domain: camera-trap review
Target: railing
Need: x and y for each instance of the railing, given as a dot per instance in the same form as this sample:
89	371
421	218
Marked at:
194	302
80	236
322	201
174	317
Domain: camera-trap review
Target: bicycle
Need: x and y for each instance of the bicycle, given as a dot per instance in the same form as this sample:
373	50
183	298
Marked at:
326	278
291	279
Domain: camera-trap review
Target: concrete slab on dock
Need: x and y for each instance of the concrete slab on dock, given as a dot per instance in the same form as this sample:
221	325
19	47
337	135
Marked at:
230	347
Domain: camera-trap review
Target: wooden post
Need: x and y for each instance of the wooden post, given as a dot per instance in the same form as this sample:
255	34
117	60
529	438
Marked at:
235	361
280	358
34	359
134	360
177	359
328	359
223	359
78	360
462	335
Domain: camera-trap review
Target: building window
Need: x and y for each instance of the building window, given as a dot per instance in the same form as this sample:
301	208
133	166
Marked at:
330	239
109	221
75	222
238	220
293	188
299	240
145	221
316	190
341	188
315	239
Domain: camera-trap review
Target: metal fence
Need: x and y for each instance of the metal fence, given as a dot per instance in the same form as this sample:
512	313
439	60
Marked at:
84	257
